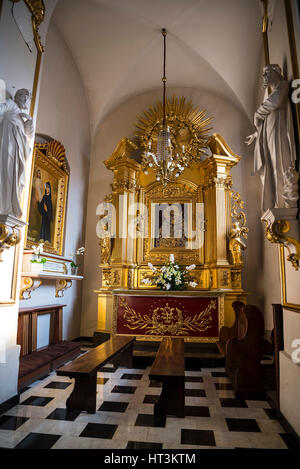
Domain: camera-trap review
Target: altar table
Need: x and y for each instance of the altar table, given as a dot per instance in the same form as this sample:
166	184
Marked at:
193	315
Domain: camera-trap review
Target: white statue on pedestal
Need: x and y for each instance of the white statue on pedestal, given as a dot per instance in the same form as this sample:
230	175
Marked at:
274	154
16	130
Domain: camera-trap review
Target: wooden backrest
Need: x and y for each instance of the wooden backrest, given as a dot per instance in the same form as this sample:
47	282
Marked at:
227	333
169	360
96	357
251	326
242	326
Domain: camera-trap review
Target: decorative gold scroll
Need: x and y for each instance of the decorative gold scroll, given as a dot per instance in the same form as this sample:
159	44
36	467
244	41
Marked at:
152	324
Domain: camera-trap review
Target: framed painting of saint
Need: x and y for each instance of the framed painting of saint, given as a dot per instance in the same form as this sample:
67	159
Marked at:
49	184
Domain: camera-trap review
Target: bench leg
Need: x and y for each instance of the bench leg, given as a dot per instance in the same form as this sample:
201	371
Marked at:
124	358
171	399
83	396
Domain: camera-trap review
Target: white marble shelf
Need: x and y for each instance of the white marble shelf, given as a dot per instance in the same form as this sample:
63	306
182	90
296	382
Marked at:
30	281
49	275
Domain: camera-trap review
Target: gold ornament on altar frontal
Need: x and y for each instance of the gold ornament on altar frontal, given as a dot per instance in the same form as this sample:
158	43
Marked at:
167	320
188	125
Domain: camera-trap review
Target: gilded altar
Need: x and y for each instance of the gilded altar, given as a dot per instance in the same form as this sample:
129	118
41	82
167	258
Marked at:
209	234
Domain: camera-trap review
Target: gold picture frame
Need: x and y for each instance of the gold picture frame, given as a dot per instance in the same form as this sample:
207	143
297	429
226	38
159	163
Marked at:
182	194
286	301
47	198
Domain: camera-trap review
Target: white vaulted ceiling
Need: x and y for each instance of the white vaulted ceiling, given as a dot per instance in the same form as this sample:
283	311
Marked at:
213	45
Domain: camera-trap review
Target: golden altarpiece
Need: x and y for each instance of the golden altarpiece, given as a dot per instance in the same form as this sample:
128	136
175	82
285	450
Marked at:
217	254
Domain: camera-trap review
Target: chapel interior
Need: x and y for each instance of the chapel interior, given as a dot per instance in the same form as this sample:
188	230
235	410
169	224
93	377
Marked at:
149	224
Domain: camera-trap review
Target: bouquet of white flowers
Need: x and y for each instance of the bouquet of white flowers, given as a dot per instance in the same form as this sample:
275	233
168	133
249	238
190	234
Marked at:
79	252
37	250
171	276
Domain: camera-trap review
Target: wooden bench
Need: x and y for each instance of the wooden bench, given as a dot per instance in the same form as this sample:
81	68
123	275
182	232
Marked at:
244	353
118	350
227	333
168	368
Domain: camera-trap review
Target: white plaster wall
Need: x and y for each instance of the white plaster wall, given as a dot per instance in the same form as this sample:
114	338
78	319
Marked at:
17	67
289	371
289	390
230	123
63	115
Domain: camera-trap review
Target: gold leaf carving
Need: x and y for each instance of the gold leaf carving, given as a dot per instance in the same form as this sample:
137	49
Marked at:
167	320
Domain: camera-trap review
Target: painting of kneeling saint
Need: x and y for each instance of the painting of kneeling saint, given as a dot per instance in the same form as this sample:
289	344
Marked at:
47	205
42	208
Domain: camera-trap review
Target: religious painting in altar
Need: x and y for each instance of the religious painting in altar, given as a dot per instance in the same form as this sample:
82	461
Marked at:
156	316
175	223
170	225
49	185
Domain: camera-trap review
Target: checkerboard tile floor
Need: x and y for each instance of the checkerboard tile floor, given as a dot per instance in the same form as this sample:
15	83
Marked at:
124	417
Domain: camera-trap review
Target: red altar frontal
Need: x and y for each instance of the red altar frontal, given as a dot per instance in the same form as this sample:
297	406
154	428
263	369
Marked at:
153	315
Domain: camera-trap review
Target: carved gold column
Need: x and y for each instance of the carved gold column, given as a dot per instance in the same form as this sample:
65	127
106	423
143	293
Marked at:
217	187
118	271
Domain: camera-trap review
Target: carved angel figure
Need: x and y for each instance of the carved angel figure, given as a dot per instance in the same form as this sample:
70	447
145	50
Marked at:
105	247
236	244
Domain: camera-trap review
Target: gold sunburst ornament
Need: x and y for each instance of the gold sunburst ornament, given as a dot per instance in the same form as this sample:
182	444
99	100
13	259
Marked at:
172	134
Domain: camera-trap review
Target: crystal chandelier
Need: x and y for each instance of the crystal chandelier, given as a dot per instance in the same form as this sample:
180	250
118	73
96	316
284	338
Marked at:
166	164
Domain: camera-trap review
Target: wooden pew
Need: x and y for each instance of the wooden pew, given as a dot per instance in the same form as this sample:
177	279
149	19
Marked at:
227	333
84	369
168	368
244	353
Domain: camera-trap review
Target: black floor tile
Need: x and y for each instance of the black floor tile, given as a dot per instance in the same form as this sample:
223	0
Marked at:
150	399
242	425
223	386
109	406
193	379
149	420
290	440
124	389
64	414
10	422
131	376
99	430
253	396
24	389
271	413
38	441
155	384
196	411
58	385
198	437
37	401
143	445
102	380
228	402
195	392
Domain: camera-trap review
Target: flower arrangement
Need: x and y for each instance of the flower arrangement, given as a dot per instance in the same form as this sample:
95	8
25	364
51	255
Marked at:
79	252
171	276
37	251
